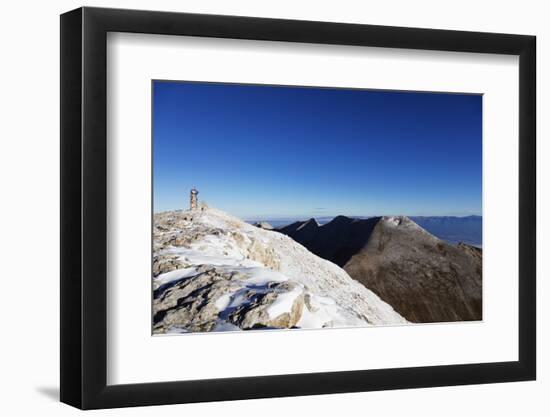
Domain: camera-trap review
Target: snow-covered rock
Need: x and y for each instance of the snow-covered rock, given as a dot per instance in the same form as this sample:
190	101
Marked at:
264	225
214	272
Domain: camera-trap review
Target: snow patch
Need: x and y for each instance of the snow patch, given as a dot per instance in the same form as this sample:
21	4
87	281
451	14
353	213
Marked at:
224	326
175	275
283	303
263	276
223	302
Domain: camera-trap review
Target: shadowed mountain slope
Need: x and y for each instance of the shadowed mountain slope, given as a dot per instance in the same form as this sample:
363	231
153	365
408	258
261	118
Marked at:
337	240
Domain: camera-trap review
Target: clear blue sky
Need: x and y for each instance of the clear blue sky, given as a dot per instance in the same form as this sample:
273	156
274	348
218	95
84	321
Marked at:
287	152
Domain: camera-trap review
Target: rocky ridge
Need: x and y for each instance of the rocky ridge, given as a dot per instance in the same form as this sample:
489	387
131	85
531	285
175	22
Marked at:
214	272
422	277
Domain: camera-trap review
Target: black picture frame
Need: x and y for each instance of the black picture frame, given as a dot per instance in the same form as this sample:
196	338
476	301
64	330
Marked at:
84	207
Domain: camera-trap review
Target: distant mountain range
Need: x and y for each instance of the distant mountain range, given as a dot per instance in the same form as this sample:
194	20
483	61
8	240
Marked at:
424	278
452	229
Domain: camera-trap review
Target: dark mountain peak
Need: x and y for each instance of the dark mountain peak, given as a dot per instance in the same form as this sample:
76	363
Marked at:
337	241
339	221
308	224
342	219
290	228
302	232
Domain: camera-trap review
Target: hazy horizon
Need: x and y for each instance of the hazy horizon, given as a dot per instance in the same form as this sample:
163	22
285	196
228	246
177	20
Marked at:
269	152
297	218
324	216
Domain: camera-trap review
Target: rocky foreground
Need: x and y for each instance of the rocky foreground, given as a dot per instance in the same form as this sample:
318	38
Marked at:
214	272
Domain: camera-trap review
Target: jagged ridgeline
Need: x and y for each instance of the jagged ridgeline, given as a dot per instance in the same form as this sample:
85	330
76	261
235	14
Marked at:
214	272
422	277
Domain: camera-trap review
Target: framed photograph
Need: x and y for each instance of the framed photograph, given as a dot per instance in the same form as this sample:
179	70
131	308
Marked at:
258	208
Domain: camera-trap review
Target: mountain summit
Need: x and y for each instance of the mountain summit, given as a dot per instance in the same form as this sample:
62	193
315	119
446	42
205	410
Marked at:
214	272
422	277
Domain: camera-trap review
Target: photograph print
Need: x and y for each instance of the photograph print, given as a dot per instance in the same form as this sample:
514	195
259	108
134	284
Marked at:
298	207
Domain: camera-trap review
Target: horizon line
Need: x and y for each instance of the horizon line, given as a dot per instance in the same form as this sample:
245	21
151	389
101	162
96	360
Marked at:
297	217
251	218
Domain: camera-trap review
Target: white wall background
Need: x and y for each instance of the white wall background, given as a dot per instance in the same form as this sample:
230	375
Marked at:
29	175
